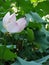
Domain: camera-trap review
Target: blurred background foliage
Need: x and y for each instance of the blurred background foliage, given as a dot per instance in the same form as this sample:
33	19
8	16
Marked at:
23	6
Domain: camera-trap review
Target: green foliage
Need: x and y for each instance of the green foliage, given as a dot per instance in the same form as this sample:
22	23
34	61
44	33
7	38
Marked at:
30	34
42	8
33	42
25	5
44	59
6	54
23	62
0	25
34	25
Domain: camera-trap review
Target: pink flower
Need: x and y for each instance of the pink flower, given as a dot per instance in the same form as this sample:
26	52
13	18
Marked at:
13	26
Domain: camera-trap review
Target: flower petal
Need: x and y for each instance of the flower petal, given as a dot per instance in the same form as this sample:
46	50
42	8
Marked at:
12	27
12	18
6	18
21	23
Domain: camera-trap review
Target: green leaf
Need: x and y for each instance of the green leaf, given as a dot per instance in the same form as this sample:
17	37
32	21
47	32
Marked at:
41	38
30	34
42	60
2	29
29	18
6	54
23	62
36	17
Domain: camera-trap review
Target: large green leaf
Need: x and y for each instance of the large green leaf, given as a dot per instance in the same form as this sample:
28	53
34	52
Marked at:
23	62
41	35
36	17
6	54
